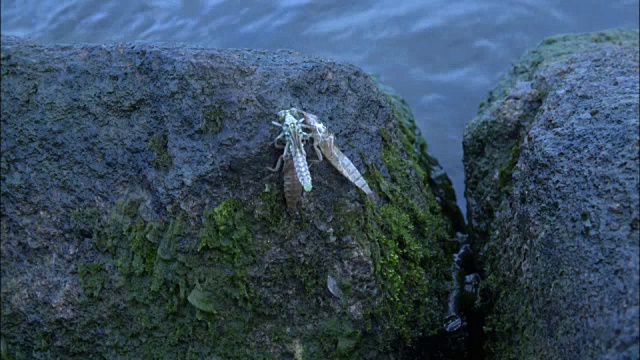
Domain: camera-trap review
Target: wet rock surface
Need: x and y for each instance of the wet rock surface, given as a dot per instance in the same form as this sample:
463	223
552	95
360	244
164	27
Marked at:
551	165
139	219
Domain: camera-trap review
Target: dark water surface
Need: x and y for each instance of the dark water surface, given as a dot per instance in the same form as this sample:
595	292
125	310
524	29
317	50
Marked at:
441	56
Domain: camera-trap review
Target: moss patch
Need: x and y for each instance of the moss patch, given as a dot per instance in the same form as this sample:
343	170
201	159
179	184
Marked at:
407	231
183	273
224	289
92	279
226	229
506	170
212	120
159	147
269	208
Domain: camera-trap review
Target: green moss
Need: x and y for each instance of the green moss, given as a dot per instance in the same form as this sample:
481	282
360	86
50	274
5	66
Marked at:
84	221
4	351
506	170
166	238
122	234
92	279
180	272
153	281
226	229
143	253
43	342
159	147
409	261
602	37
224	290
414	145
405	233
270	206
202	300
212	120
340	338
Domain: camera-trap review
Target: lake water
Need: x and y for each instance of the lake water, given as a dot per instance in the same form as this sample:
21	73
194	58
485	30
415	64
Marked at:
441	56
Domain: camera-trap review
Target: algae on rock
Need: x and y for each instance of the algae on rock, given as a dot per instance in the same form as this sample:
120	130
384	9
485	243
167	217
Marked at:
160	234
551	180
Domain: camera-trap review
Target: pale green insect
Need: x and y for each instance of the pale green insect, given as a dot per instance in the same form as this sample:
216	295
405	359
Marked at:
294	136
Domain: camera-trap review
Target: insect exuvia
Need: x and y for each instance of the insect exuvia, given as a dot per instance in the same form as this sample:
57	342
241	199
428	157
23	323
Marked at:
294	161
324	143
292	186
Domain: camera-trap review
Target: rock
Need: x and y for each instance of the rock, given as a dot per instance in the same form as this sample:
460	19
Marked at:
551	166
139	220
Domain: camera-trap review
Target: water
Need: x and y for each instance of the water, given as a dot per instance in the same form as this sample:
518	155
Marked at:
441	56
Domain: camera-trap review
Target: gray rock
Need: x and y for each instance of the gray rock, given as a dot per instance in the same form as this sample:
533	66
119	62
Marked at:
551	166
139	220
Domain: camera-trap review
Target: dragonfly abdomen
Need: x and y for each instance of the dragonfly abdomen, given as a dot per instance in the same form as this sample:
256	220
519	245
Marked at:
302	170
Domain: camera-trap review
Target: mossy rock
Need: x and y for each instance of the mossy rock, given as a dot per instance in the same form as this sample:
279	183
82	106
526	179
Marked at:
550	165
154	230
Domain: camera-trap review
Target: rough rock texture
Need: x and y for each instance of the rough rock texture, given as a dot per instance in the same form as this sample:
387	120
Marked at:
139	220
551	166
